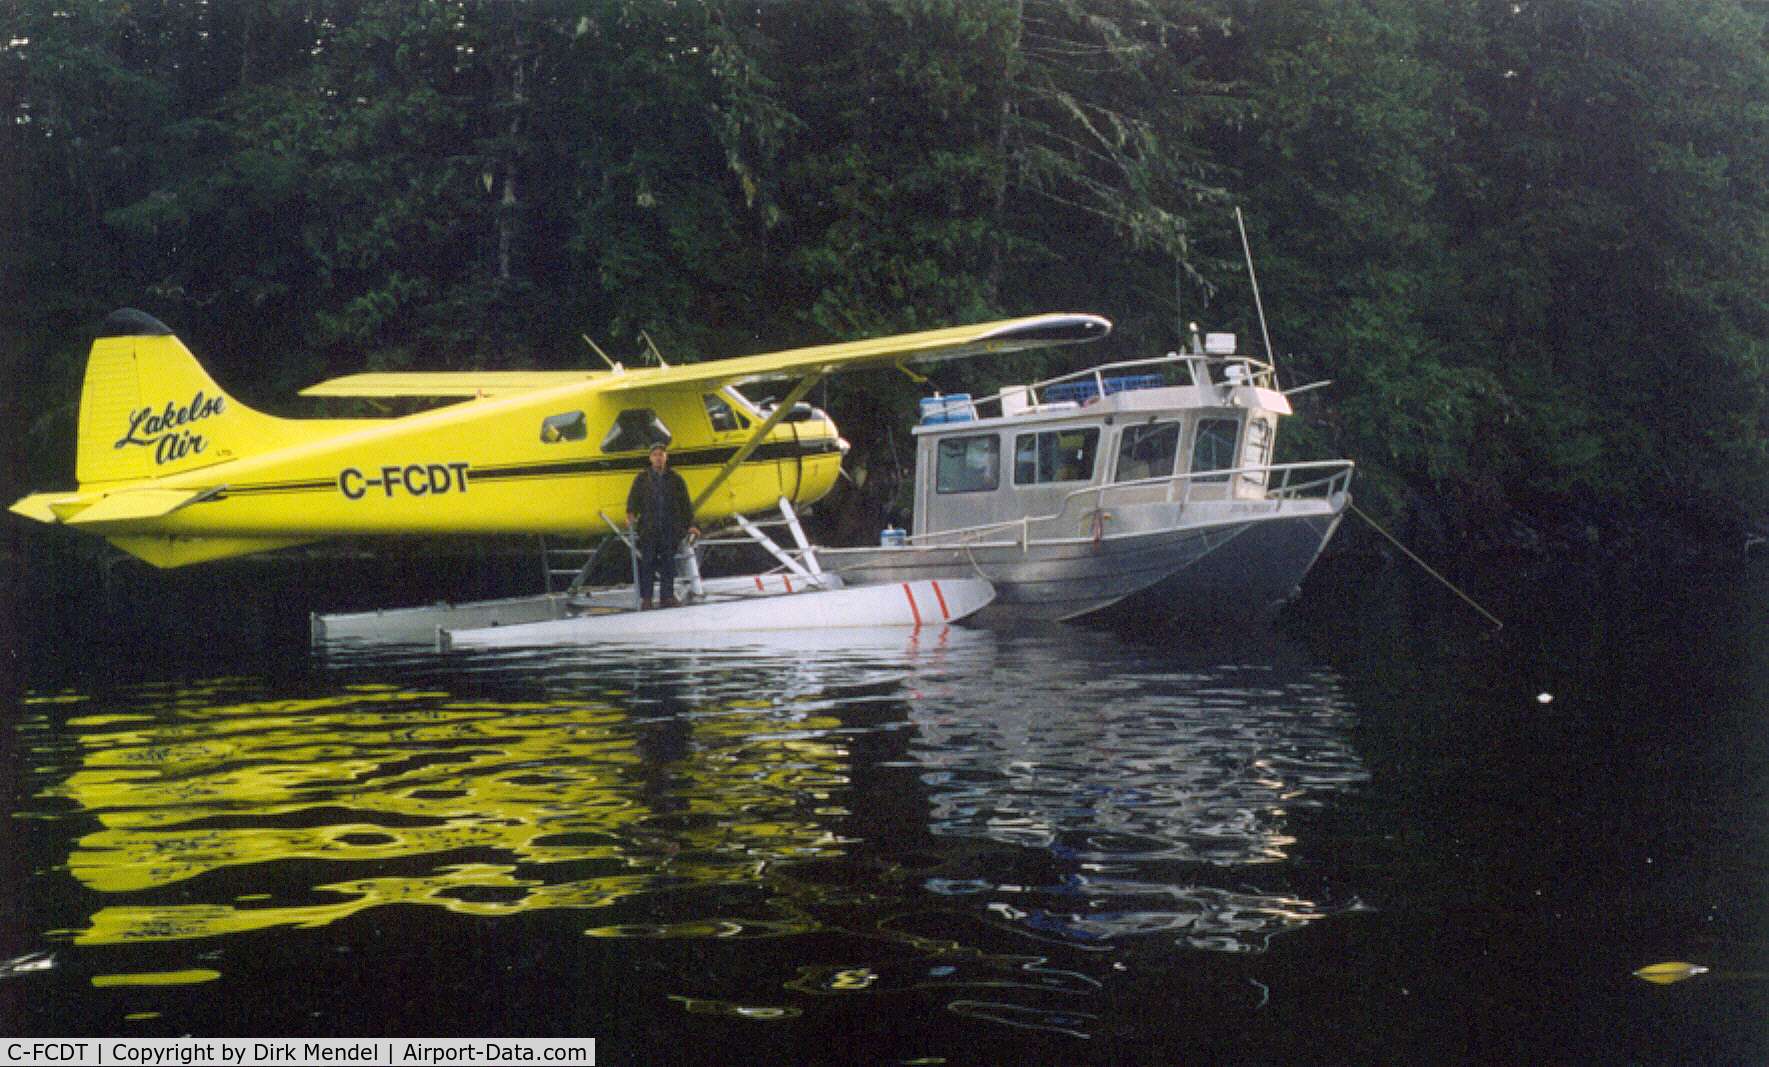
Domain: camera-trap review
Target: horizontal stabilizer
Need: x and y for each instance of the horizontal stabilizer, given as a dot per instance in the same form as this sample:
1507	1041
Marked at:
126	505
39	506
449	383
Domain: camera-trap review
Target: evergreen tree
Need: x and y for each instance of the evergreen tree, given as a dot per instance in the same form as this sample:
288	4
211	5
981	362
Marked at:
1612	226
1523	238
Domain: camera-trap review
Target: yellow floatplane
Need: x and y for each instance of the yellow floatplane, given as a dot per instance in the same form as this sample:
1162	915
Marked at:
173	470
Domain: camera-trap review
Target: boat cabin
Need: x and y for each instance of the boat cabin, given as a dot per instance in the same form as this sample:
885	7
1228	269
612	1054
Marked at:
1178	428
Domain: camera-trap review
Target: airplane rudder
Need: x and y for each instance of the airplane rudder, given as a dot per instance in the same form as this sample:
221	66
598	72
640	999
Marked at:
147	407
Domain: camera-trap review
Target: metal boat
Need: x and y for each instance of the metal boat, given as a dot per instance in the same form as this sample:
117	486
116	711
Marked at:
1145	483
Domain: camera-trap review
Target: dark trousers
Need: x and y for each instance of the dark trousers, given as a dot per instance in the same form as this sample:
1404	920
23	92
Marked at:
657	567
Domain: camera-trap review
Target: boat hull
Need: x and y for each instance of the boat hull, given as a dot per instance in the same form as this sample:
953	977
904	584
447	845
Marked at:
1217	564
907	605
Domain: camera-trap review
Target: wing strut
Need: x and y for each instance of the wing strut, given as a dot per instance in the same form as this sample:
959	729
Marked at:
755	439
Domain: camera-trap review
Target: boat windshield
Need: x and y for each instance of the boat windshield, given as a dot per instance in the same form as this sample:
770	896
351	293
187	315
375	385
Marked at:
1214	447
1055	456
968	464
1147	451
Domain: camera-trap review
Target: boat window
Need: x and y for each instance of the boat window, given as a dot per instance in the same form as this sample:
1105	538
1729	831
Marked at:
567	426
1214	447
720	413
1147	451
1055	456
634	430
968	464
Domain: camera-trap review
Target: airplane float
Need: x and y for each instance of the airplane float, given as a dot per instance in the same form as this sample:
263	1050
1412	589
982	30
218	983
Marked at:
173	470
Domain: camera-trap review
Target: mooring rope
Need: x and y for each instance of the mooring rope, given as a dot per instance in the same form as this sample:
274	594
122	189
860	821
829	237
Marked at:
1451	586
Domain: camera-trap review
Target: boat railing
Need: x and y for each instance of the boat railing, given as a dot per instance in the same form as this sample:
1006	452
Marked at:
1084	387
1322	480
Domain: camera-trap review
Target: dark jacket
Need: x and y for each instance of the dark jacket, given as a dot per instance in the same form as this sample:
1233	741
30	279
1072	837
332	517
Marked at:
662	505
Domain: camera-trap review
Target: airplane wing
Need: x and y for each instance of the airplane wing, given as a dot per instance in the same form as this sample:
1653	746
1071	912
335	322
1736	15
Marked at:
449	383
1009	335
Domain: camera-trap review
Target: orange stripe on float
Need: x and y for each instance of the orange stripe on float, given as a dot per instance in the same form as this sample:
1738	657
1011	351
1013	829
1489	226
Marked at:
910	593
945	612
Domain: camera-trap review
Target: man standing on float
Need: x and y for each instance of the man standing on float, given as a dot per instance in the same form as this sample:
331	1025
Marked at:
660	514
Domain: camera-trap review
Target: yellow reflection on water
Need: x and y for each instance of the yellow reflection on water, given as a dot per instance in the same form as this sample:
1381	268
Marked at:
379	797
192	977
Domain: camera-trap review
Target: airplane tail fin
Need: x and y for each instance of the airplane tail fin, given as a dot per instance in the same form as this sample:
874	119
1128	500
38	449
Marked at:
148	409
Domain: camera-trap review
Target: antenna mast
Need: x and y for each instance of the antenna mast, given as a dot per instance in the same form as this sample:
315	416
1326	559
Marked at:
1258	304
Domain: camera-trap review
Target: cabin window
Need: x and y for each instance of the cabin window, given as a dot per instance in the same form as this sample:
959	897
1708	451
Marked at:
1214	447
1147	451
567	426
634	430
721	414
1055	456
968	464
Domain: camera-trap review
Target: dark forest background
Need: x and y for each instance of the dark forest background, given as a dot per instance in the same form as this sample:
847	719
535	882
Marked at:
1524	240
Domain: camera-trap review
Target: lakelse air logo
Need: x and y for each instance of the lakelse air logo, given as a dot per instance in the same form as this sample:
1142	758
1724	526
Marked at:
165	431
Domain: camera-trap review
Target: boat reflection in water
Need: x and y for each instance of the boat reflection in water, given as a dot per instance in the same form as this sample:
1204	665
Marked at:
1159	796
966	803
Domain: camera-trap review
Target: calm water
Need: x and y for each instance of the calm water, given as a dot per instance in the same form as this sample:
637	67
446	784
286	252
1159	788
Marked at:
1386	834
